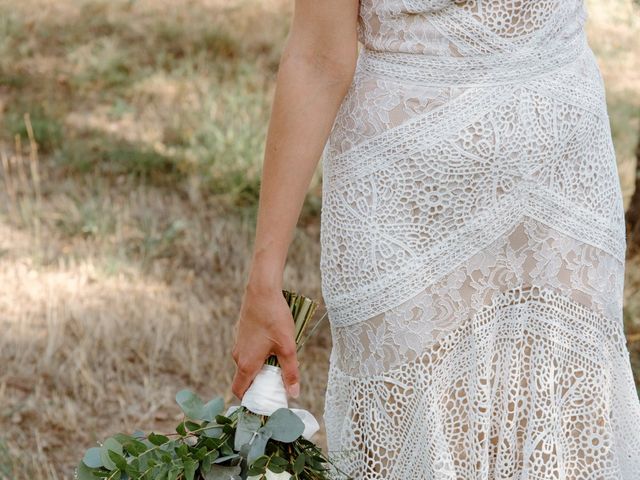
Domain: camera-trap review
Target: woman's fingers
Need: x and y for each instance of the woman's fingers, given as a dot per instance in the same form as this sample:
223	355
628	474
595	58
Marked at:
288	359
246	370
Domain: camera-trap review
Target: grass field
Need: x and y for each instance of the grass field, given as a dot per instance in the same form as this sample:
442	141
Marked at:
125	242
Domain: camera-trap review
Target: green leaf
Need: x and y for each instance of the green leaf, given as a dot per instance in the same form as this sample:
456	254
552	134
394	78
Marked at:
226	448
200	453
256	471
122	438
113	445
173	473
278	461
133	469
219	472
206	463
213	408
221	419
135	447
298	465
158	439
284	425
281	462
225	458
190	467
92	458
166	458
191	404
212	432
181	429
119	460
276	468
192	426
182	451
258	445
85	473
260	461
248	424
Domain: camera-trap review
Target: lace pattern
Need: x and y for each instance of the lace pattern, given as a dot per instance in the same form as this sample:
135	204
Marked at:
534	385
473	247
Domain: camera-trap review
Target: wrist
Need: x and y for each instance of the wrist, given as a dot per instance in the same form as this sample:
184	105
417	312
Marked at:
264	280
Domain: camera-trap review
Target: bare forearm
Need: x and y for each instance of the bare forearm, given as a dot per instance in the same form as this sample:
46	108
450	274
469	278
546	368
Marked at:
309	91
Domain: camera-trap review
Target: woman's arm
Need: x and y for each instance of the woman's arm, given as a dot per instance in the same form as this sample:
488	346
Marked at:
315	72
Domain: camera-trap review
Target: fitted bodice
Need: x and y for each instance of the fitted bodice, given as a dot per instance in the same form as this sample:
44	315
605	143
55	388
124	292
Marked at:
468	27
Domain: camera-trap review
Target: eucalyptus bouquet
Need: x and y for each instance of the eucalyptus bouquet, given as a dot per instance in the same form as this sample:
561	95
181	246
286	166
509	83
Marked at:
261	439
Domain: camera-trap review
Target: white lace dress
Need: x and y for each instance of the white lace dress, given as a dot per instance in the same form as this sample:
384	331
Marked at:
473	247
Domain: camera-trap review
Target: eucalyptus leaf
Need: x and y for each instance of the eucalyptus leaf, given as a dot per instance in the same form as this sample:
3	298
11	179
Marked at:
244	450
191	404
206	464
135	447
181	429
260	461
158	439
190	467
118	459
132	469
276	468
248	425
298	465
200	453
279	461
213	408
284	425
122	438
220	472
225	458
192	426
113	445
222	419
258	445
92	458
182	451
212	432
85	473
173	473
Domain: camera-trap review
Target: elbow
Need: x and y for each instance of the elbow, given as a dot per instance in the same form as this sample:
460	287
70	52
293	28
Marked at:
338	66
334	66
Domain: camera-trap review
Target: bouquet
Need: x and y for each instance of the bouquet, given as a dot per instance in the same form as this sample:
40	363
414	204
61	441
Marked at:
261	439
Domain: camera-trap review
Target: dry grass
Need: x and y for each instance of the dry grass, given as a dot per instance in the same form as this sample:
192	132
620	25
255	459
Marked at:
124	246
100	333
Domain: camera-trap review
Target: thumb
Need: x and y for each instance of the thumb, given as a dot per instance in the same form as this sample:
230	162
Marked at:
288	359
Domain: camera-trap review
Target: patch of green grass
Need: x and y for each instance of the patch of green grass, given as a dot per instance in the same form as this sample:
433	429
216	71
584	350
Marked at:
101	155
6	464
104	65
90	217
47	128
624	116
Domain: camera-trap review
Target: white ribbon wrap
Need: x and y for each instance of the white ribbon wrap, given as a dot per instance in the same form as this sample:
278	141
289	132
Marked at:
267	393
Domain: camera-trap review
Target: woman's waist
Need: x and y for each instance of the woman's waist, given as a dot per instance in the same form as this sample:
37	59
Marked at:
493	69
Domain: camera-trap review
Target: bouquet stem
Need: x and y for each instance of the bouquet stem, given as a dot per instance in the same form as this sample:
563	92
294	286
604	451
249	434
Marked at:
302	310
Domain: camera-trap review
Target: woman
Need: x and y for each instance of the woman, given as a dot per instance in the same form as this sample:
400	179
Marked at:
473	240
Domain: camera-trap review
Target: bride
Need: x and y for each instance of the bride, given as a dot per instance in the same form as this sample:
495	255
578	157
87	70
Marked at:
473	240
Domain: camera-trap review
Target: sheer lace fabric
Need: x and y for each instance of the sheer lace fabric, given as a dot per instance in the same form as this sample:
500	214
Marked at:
473	247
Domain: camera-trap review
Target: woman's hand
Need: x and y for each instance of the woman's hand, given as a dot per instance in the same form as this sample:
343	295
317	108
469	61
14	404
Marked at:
265	326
